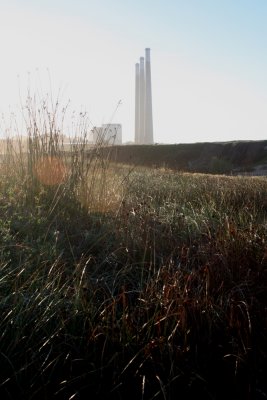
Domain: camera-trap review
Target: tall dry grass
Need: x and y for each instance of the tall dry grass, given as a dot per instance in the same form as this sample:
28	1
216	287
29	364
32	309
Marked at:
113	282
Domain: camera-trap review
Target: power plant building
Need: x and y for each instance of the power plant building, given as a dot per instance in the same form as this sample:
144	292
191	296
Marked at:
107	134
143	101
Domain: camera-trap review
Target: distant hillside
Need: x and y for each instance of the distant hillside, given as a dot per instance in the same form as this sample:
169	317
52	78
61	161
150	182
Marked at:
222	157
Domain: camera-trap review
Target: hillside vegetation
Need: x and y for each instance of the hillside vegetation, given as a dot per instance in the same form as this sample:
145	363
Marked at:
124	282
223	158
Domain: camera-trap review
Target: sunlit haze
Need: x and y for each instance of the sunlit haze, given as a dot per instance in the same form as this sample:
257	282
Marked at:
208	62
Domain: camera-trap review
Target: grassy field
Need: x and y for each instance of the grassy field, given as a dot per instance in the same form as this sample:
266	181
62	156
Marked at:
120	282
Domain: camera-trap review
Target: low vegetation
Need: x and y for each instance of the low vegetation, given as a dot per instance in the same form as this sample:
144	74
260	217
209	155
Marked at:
119	281
232	158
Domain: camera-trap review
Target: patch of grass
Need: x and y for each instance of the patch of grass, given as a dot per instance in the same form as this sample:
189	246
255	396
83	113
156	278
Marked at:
116	280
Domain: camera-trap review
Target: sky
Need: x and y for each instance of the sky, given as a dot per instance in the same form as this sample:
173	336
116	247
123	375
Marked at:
208	63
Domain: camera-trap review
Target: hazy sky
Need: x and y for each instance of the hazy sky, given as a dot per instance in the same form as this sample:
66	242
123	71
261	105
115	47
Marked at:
208	61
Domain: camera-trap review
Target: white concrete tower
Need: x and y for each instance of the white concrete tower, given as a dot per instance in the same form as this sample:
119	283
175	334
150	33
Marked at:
137	104
142	102
148	137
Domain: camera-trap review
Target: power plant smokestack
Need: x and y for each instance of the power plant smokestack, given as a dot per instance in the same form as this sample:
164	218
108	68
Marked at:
137	103
143	101
148	102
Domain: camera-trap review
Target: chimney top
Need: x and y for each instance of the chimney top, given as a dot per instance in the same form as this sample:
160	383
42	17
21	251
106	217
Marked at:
148	55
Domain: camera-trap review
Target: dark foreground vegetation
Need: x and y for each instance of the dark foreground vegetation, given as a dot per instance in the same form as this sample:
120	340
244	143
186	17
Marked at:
119	283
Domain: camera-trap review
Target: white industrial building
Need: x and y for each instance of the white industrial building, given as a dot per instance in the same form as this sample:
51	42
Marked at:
108	134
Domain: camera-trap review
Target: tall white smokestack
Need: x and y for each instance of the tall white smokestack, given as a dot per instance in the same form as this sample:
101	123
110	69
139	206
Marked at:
148	137
137	103
142	102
